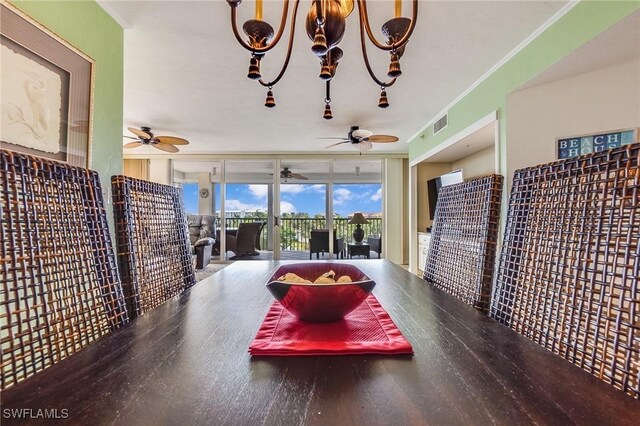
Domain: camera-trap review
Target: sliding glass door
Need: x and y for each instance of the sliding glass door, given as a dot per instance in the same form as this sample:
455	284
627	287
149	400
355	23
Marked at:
303	207
288	199
357	188
249	199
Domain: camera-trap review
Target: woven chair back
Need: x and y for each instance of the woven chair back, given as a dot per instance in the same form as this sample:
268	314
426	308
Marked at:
59	285
246	237
461	257
570	262
154	254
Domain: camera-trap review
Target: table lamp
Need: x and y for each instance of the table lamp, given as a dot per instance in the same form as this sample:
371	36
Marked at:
358	233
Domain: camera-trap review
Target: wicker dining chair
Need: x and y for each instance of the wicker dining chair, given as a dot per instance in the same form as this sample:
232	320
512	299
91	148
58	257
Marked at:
464	236
569	276
154	253
59	285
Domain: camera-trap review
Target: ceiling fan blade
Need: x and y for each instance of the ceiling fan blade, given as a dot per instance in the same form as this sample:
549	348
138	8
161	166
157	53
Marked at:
164	147
383	138
130	137
172	140
138	132
365	146
298	176
335	144
132	144
362	133
341	138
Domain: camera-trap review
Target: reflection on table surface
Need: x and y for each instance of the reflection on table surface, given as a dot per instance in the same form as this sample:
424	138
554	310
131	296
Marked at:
187	362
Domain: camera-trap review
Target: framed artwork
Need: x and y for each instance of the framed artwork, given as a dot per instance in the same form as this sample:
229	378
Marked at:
574	146
46	87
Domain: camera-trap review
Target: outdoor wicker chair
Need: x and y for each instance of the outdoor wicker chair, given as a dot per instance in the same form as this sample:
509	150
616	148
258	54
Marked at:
243	243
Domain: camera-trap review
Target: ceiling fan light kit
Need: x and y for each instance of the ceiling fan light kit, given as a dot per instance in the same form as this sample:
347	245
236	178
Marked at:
146	137
325	26
286	175
362	138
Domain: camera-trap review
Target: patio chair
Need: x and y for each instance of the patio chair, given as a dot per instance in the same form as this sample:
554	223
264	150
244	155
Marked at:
59	282
375	245
258	248
319	243
243	243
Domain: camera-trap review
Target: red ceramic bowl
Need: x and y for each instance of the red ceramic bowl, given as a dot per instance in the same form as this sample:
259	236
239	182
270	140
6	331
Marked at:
320	302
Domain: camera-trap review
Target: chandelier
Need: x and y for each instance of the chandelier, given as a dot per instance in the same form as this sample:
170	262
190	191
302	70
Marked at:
325	25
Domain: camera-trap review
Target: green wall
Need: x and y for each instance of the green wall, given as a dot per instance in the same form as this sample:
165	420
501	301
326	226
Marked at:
90	29
582	23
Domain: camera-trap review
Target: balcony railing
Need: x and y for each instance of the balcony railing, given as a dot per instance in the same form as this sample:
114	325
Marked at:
295	232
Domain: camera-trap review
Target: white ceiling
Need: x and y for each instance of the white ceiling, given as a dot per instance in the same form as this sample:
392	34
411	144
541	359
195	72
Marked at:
617	45
185	74
475	142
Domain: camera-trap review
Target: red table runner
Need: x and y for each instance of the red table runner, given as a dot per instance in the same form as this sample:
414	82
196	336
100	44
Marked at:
366	330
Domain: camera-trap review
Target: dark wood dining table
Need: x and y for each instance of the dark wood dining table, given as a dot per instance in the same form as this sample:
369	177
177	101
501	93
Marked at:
186	362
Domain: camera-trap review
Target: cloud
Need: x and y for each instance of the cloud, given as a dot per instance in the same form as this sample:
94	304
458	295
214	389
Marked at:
341	195
293	188
239	205
287	207
259	191
378	195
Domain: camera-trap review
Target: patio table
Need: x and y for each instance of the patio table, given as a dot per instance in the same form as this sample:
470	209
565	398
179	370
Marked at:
186	362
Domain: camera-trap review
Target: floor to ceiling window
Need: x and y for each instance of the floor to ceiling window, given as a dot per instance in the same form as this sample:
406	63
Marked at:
311	195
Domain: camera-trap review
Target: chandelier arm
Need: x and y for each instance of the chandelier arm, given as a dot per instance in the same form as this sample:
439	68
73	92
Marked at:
366	60
289	49
283	21
364	20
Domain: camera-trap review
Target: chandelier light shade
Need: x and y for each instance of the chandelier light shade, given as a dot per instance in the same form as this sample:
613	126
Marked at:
358	219
325	26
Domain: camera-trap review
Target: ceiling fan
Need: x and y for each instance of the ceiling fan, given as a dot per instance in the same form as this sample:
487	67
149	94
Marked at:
145	137
285	173
362	139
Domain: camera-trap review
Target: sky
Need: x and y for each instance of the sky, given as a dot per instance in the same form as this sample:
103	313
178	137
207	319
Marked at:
299	198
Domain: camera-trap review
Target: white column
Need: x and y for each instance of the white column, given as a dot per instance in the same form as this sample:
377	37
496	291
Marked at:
413	219
393	215
204	203
269	230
